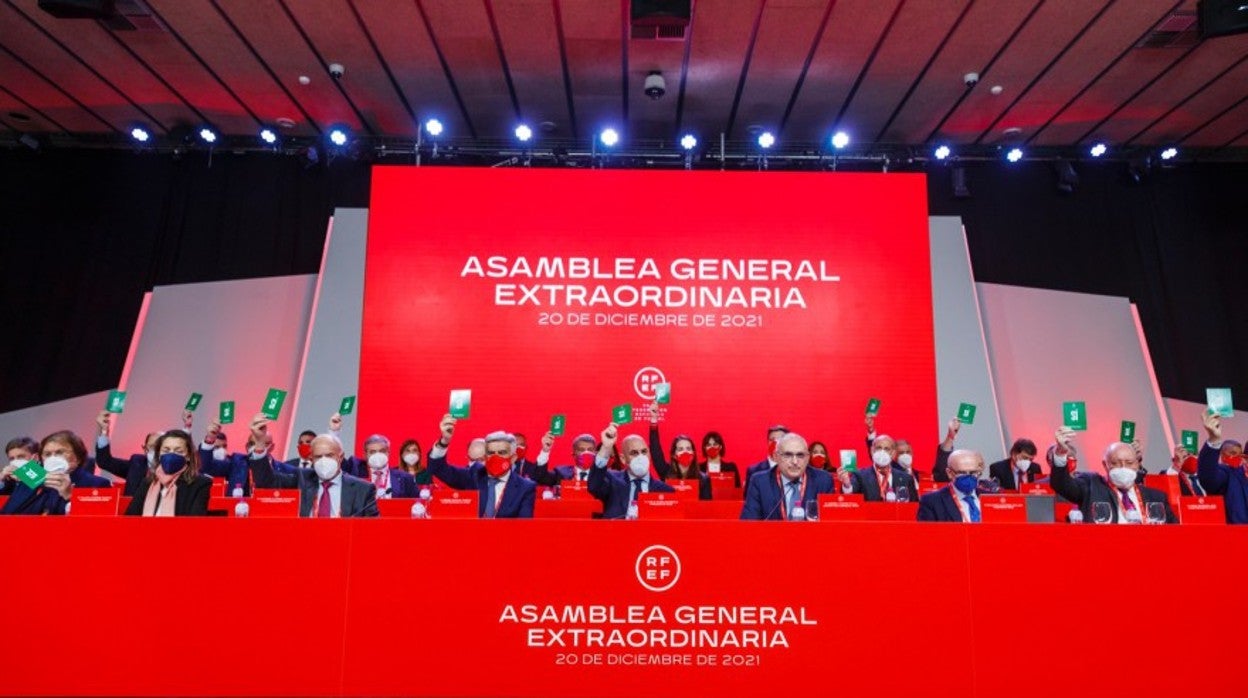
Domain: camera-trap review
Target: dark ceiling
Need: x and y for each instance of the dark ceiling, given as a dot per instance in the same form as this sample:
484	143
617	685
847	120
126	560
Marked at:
1070	72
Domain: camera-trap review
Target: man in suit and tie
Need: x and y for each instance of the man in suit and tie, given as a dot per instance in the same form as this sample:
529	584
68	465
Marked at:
774	432
583	448
884	481
390	483
134	469
959	500
325	491
1185	466
776	494
1020	467
304	459
1118	493
618	490
1220	468
502	493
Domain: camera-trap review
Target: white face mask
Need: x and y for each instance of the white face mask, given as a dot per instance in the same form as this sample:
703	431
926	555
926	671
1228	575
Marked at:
880	458
218	453
1122	477
151	458
410	458
639	466
55	464
1023	464
905	460
326	467
378	461
18	462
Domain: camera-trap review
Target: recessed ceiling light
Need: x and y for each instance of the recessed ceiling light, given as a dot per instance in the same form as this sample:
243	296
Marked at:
285	122
1013	131
997	89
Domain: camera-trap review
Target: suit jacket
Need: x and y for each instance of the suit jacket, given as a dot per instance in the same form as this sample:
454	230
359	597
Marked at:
940	467
1090	488
133	470
190	499
762	466
613	487
45	500
868	486
234	469
1003	471
359	497
1185	485
763	501
1220	479
568	472
518	494
402	484
939	506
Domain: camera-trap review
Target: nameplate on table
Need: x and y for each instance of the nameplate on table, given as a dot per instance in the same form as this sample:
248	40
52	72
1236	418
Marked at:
1036	488
217	489
660	505
1003	508
454	504
96	501
685	489
854	507
1202	510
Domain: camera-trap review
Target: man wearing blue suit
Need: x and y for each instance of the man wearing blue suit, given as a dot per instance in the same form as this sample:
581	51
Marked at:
135	468
325	491
618	490
1119	491
957	501
1220	468
215	460
583	448
776	494
884	481
502	493
391	483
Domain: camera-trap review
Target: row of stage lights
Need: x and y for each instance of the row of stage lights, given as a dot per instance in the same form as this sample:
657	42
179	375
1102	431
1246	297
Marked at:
340	136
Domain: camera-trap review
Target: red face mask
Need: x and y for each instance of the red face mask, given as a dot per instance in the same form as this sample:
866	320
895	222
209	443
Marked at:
520	451
1234	461
1189	465
771	448
497	465
712	452
684	459
305	451
818	460
584	460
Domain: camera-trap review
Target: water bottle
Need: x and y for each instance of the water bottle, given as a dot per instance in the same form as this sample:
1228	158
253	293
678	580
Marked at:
797	514
67	506
425	494
890	496
1075	516
632	511
242	510
548	495
237	492
419	511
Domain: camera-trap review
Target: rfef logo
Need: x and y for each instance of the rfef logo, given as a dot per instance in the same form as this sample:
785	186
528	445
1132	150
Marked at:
645	380
658	568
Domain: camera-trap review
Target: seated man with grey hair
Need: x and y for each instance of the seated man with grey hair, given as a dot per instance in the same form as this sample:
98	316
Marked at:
390	483
783	492
325	491
503	494
1117	493
959	500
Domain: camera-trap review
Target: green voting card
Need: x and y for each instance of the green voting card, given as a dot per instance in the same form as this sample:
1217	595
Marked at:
461	403
663	393
849	459
31	474
622	414
273	403
1219	400
226	413
1075	415
558	423
1127	433
193	401
1190	441
873	406
116	401
347	405
966	413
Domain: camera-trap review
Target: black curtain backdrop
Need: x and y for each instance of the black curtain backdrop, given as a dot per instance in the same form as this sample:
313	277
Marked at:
86	233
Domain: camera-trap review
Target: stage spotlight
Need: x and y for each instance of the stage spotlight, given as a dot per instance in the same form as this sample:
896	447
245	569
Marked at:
942	152
1067	178
523	133
1014	155
609	137
689	141
433	127
140	134
268	135
338	136
1098	150
1169	153
208	135
840	139
766	140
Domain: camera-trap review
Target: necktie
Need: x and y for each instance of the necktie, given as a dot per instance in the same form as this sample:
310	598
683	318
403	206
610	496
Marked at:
1127	504
1193	484
794	496
972	508
584	474
636	488
323	508
378	480
883	479
490	502
1022	477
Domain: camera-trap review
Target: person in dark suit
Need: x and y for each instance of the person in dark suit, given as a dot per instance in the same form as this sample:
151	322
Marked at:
959	500
713	452
63	456
618	490
679	463
1185	466
774	432
583	448
884	481
1119	493
215	460
19	451
390	483
523	466
325	491
777	494
1220	468
174	487
502	494
304	450
1010	473
133	470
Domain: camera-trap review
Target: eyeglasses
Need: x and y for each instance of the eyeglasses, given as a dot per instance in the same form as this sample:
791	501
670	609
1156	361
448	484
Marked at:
792	455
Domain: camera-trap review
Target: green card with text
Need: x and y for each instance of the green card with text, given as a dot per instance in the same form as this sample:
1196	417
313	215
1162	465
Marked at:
558	423
622	414
873	406
849	459
30	474
193	401
116	401
273	402
347	406
1075	415
663	393
1127	433
226	413
1219	400
966	413
1190	441
461	403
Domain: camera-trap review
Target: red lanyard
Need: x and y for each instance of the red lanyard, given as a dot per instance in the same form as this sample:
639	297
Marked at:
784	501
962	507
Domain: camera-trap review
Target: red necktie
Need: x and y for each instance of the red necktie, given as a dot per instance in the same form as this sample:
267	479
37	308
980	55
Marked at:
377	479
323	510
883	485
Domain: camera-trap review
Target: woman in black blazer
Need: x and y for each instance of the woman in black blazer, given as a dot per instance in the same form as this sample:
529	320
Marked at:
174	486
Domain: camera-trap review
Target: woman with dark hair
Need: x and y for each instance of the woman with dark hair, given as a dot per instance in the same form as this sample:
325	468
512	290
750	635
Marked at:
681	462
413	462
713	451
62	454
819	457
174	487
